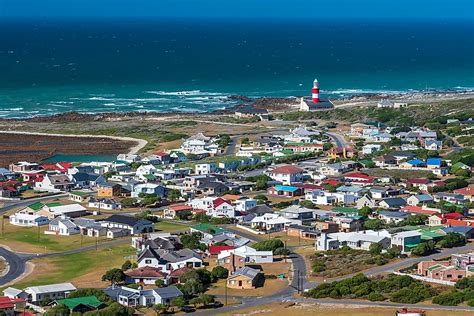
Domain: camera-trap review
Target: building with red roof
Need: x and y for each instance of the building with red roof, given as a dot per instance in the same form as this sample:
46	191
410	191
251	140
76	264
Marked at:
215	250
468	192
8	305
359	178
441	219
145	275
413	209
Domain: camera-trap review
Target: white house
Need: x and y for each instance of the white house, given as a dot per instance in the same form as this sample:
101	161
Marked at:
244	204
51	291
250	254
270	222
355	240
286	174
169	260
205	168
406	240
140	297
133	224
28	220
321	197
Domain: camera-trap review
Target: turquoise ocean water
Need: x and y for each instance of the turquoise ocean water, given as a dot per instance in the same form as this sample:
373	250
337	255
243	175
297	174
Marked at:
91	65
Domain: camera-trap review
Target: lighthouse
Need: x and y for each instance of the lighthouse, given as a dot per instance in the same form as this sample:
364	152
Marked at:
315	91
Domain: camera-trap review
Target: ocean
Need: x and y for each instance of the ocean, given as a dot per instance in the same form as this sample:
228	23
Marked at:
91	65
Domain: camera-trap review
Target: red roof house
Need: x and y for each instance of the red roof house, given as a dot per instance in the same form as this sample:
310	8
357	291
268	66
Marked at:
215	250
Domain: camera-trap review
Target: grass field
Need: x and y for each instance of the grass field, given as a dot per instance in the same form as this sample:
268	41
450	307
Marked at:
168	227
27	239
83	269
285	309
271	286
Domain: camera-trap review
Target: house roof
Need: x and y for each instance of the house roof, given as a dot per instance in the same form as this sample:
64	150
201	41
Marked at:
208	228
465	191
246	272
168	292
178	208
417	181
215	250
346	210
288	169
145	272
415	162
219	201
50	288
417	210
127	220
434	161
72	303
260	209
394	214
395	201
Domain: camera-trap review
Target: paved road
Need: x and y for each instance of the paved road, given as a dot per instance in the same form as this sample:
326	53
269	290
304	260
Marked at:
338	139
231	148
23	203
16	266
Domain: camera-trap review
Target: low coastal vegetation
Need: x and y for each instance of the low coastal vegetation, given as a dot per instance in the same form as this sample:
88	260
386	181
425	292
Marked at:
395	288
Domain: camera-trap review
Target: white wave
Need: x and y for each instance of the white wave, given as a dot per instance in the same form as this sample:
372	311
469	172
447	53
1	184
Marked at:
15	109
184	93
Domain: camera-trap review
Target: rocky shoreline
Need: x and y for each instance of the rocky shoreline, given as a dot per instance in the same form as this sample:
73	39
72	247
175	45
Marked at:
268	103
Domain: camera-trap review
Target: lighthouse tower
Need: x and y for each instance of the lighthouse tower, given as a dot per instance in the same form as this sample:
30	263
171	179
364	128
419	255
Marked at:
315	91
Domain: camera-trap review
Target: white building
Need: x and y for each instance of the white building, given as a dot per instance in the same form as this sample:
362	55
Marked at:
250	254
355	240
51	291
28	220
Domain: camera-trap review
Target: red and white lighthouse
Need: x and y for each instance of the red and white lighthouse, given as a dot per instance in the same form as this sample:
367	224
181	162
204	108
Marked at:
315	91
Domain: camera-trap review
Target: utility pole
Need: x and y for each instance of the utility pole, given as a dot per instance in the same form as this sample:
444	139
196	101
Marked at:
38	232
96	242
226	292
284	254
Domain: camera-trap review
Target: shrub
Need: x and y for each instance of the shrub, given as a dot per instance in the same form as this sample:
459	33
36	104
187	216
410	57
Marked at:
451	298
219	272
375	297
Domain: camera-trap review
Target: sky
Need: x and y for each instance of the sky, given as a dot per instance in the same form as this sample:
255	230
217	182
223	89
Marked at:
417	9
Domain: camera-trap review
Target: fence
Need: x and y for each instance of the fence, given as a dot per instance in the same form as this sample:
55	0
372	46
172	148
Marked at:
425	279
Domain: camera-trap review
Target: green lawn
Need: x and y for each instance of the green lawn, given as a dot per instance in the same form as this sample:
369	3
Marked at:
26	239
82	268
169	227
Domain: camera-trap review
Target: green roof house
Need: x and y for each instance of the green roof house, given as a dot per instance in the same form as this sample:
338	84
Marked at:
82	304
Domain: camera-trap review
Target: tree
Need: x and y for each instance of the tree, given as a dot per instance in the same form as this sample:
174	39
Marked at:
393	252
90	292
58	310
365	211
307	204
128	202
423	249
178	302
206	299
452	240
195	301
173	195
160	309
374	224
219	272
375	249
159	283
269	245
114	276
126	265
281	252
192	241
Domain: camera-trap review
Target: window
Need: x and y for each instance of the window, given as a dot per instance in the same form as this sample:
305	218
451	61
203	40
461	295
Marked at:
148	261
